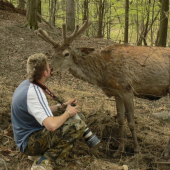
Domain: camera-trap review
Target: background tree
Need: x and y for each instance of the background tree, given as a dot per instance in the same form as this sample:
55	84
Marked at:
21	4
100	18
126	21
52	12
162	35
31	15
145	25
70	15
85	10
108	17
39	9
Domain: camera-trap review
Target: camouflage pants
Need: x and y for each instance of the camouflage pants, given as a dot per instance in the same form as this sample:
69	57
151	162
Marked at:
55	145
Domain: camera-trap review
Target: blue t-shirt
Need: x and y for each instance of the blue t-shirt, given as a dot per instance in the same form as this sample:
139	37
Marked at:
29	109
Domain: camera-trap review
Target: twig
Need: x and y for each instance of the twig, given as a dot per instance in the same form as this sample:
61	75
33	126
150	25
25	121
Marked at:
166	163
7	136
4	163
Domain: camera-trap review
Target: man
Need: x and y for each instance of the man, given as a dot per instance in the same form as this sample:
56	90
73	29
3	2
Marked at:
36	130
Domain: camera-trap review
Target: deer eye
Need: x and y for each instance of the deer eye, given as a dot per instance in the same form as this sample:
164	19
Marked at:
66	54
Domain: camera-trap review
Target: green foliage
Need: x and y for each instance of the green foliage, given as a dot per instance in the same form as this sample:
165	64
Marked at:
14	2
113	18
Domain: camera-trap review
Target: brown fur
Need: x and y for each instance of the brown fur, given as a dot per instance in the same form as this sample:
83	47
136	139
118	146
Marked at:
142	70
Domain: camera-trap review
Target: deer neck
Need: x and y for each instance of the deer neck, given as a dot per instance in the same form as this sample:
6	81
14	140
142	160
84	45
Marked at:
89	68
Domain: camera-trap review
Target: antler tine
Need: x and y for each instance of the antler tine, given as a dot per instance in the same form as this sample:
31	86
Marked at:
69	39
37	33
44	35
64	30
73	35
86	24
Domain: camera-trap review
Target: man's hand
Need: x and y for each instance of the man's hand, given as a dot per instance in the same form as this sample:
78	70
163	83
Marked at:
72	110
63	107
69	102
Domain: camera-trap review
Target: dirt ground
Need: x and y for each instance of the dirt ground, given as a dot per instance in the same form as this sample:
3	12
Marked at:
17	43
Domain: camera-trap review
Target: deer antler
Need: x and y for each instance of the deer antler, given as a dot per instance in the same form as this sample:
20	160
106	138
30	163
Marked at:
44	35
69	39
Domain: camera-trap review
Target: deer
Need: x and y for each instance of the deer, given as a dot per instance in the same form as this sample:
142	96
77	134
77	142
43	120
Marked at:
122	71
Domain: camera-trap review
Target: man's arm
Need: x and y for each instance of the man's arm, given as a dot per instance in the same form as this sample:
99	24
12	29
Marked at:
59	107
54	122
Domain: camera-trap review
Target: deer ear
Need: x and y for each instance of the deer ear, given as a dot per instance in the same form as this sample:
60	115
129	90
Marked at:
86	51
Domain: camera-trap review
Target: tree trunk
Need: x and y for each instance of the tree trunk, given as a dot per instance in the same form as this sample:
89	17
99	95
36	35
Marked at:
109	21
126	21
100	20
162	36
31	16
145	28
70	15
52	12
39	9
152	30
85	10
137	20
21	4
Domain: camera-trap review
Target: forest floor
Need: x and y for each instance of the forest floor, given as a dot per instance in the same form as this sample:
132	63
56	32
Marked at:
17	43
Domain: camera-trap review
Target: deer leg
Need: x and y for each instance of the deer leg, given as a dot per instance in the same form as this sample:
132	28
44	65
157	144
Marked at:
121	119
129	107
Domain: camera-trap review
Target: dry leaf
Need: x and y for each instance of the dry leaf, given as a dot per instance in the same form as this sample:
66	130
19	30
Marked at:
125	167
6	158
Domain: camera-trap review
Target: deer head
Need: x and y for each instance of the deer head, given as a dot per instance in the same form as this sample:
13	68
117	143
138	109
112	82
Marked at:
63	53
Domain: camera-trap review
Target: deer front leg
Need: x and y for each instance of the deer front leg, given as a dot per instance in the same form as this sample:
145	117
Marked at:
121	119
129	107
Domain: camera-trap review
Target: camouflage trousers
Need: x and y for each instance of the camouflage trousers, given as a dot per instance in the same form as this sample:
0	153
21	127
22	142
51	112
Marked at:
56	145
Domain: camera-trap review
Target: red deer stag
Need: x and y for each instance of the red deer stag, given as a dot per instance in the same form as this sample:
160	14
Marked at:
122	71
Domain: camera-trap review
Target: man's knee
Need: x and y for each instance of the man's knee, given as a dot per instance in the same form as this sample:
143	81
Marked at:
74	126
80	125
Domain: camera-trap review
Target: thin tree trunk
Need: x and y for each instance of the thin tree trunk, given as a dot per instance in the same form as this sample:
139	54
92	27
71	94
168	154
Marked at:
70	15
31	16
39	9
126	21
52	12
21	4
137	20
100	20
109	21
162	37
145	28
85	12
153	12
